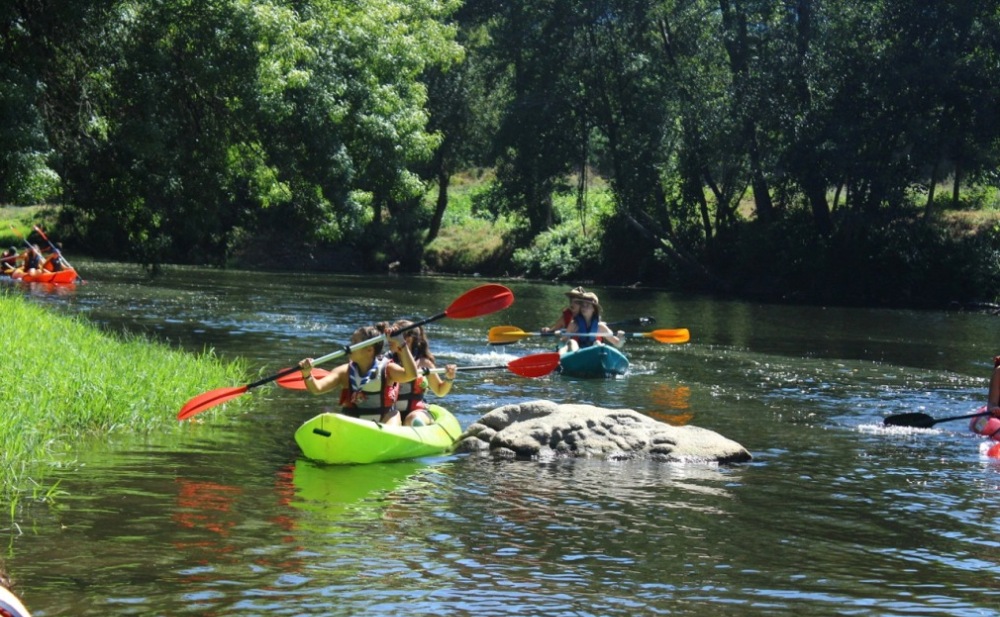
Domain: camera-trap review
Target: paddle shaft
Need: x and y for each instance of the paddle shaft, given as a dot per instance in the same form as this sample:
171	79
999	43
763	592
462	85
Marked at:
635	321
537	365
346	351
476	302
25	240
586	334
54	248
485	367
592	334
965	417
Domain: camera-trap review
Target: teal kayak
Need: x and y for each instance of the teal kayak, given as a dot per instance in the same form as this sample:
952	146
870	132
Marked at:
593	361
338	439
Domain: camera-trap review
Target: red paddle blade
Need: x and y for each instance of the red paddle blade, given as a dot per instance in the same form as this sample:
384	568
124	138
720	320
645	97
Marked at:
537	365
480	301
208	400
294	381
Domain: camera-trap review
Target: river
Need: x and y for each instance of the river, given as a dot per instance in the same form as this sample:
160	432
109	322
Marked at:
834	516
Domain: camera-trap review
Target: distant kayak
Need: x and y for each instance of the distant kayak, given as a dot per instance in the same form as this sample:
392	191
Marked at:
63	277
337	439
593	361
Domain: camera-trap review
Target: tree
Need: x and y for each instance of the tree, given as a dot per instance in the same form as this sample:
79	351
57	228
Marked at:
220	120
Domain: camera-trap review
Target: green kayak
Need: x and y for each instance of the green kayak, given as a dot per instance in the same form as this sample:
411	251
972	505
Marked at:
337	439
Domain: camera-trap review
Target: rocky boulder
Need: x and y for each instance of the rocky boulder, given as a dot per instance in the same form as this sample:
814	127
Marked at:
543	429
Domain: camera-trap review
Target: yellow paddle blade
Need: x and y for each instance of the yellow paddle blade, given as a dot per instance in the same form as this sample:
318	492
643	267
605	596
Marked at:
676	335
502	335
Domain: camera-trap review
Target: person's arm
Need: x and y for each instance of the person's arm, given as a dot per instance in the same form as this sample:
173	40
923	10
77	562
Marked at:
616	339
558	324
993	401
335	379
442	385
406	370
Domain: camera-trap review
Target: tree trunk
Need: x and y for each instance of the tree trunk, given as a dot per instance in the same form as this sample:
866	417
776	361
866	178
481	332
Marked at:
734	20
444	179
958	183
816	192
929	206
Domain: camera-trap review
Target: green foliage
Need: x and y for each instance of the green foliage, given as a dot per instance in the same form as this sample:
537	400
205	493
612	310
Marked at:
893	261
474	247
25	175
562	253
187	131
214	121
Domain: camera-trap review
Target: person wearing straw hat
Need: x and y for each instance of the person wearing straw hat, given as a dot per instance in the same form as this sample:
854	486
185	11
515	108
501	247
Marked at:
568	313
588	320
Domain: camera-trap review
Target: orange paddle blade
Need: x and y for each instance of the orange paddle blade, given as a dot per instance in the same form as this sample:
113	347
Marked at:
208	400
537	365
677	335
502	335
294	381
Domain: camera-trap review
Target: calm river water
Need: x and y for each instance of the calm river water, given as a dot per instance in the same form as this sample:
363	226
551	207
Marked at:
835	516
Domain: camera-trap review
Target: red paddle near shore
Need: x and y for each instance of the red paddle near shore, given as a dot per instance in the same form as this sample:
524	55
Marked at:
536	365
476	302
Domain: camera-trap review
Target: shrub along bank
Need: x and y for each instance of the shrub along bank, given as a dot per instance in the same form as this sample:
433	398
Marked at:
901	258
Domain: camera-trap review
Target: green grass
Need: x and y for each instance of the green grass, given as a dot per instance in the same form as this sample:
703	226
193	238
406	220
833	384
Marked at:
21	219
67	380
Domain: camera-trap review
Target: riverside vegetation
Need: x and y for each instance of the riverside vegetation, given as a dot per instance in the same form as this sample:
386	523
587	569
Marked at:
69	380
808	152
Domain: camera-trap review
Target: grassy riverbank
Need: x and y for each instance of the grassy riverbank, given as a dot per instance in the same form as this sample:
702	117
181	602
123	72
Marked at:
67	379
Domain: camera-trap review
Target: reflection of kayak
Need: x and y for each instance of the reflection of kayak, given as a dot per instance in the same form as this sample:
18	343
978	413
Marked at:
61	277
332	499
338	439
322	487
593	361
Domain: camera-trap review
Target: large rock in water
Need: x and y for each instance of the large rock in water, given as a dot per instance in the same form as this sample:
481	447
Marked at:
543	429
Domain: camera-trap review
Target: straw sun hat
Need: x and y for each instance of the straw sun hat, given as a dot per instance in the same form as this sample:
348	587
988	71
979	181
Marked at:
578	293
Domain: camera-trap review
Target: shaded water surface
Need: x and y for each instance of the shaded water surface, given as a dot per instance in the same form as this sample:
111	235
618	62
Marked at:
834	516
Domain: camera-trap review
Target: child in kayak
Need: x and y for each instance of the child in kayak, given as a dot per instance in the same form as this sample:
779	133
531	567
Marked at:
588	320
567	315
369	381
410	402
32	260
988	424
8	261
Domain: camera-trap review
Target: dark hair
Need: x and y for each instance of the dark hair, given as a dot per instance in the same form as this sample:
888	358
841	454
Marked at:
365	333
419	347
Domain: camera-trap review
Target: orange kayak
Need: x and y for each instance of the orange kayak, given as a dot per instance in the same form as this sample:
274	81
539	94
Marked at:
63	276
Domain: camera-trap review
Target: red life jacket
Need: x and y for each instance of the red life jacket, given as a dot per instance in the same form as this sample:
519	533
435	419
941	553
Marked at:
411	395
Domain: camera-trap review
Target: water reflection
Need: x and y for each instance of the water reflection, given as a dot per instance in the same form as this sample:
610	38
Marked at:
327	494
835	515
